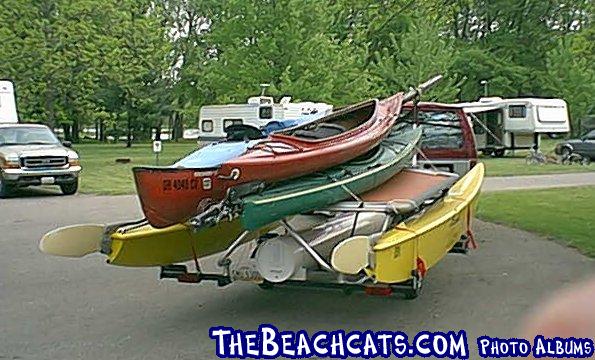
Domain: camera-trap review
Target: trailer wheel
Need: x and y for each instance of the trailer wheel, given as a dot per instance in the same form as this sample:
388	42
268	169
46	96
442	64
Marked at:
416	284
499	153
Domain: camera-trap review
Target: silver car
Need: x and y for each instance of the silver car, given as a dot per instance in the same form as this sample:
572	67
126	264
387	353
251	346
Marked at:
32	155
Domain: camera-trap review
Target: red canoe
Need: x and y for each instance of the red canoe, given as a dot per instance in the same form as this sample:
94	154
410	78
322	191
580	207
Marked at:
173	195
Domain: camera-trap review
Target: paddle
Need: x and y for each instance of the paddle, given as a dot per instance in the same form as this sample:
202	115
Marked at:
73	241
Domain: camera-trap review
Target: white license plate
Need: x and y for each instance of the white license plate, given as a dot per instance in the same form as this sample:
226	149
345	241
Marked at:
47	180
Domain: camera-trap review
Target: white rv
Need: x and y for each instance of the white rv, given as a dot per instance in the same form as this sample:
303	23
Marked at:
511	124
8	105
257	112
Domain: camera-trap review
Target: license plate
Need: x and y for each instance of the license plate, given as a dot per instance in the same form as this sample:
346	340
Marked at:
47	180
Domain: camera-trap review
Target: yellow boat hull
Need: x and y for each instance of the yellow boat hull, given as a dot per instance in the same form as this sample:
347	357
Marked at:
147	246
420	243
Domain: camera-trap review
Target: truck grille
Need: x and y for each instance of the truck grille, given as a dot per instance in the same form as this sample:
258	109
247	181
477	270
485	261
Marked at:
44	161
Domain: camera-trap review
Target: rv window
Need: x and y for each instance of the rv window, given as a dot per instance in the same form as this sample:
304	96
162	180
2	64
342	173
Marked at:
265	112
229	122
517	111
207	125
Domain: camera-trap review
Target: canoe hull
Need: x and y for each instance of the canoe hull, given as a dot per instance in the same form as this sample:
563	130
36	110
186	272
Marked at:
324	189
423	241
171	196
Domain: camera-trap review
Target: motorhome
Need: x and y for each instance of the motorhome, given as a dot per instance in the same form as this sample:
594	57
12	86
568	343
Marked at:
257	112
511	124
8	106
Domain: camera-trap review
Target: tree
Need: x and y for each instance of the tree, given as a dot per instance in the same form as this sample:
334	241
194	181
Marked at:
571	75
285	43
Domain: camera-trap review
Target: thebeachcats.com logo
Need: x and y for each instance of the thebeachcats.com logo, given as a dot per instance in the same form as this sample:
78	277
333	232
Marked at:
269	343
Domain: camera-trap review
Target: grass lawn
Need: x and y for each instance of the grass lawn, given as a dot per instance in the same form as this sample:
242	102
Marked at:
515	165
511	166
102	175
565	214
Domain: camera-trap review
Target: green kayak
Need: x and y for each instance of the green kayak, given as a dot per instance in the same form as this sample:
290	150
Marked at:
322	189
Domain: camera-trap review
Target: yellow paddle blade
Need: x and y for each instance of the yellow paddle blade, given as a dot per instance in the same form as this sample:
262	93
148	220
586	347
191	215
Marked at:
73	241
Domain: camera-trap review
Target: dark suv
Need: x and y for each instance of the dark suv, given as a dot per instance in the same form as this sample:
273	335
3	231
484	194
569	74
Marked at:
584	146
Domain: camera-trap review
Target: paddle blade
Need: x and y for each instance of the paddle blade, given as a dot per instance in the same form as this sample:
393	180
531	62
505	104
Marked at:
73	241
351	255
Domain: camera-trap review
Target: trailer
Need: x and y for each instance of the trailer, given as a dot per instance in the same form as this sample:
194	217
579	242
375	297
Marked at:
512	124
8	105
257	112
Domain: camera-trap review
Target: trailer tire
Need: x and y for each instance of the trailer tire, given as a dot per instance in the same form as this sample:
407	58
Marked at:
499	153
416	285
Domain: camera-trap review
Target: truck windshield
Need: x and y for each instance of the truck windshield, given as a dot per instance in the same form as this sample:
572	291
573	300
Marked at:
27	135
441	129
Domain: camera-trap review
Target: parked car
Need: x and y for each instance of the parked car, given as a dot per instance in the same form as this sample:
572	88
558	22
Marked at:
584	146
448	142
32	155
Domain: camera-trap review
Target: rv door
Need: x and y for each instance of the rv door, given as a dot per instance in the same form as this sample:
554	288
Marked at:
8	106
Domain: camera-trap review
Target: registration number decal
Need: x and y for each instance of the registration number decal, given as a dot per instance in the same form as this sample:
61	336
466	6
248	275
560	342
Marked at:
180	184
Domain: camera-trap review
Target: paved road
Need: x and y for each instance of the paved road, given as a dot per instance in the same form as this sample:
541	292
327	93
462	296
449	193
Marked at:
538	181
58	308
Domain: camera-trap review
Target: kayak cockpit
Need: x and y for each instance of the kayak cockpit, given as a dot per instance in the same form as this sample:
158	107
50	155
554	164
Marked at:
336	123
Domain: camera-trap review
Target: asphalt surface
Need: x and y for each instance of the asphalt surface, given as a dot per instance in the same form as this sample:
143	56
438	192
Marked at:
59	308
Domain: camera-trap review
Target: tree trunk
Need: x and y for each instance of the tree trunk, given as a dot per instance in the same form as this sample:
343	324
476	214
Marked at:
158	133
75	131
178	127
67	133
129	133
102	136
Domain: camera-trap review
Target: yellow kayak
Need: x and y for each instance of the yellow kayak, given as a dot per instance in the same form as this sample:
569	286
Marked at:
416	245
147	246
135	245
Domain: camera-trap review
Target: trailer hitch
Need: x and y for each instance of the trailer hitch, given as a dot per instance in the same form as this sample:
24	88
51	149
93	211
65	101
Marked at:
181	274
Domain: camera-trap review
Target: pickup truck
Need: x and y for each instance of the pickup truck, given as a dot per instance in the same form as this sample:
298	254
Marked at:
448	141
32	155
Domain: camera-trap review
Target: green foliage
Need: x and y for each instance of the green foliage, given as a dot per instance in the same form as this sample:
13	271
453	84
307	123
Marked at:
572	76
126	66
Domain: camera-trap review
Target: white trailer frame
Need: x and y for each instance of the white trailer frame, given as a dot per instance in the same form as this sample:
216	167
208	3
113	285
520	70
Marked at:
519	122
8	103
257	112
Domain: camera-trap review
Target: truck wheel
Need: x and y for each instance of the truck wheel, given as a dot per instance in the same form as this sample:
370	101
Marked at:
69	189
5	189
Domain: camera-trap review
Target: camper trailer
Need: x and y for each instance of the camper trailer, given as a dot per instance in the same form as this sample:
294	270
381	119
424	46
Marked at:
8	106
257	112
512	124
